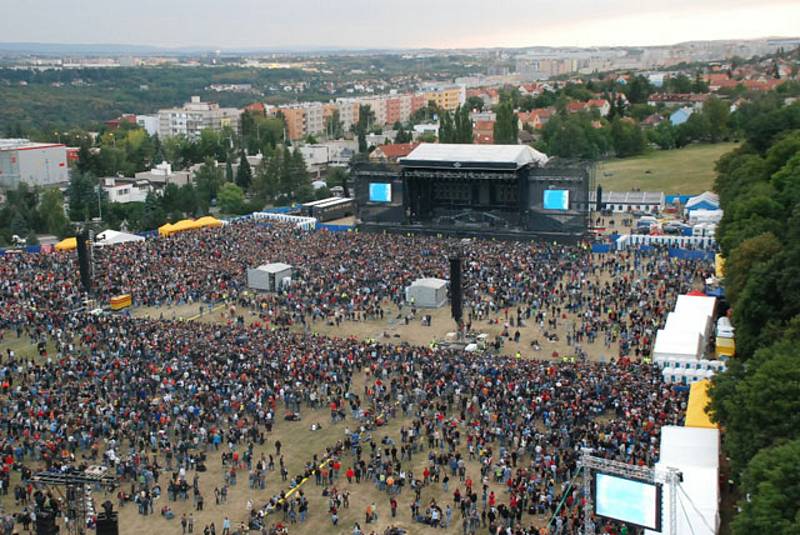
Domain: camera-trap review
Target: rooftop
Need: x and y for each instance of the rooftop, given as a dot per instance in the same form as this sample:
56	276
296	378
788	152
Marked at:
473	156
24	144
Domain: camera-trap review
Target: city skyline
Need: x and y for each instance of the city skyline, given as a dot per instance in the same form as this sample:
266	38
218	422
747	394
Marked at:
359	24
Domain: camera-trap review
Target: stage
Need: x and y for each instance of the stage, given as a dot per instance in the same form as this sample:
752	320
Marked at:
499	191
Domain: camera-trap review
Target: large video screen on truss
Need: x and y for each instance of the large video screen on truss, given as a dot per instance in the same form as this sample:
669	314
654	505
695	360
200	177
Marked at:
380	192
556	199
627	500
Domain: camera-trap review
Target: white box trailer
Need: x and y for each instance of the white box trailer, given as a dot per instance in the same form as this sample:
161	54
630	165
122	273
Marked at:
427	293
269	277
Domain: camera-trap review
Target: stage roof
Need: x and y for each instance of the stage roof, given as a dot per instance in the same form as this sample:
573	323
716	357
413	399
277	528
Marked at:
473	156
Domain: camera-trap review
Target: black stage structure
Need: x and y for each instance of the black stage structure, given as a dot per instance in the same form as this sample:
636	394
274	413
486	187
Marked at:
476	190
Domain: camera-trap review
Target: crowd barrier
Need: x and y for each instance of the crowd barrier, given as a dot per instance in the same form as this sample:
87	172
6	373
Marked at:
682	242
305	223
335	228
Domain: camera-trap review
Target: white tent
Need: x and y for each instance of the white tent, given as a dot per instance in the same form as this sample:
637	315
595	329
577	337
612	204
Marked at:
113	237
706	200
694	451
677	344
427	293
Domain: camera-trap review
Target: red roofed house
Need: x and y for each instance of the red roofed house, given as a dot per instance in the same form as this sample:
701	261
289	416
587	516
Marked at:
600	104
392	152
529	118
256	107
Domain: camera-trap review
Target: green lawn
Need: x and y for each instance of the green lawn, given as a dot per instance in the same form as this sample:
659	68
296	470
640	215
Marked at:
689	170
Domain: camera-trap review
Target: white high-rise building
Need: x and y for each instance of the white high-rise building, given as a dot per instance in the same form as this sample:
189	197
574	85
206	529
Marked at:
194	117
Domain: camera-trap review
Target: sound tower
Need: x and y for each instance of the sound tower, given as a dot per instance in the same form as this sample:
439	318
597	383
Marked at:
85	259
45	523
107	524
599	199
455	289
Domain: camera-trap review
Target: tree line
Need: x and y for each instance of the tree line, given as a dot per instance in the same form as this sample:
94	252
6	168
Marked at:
757	400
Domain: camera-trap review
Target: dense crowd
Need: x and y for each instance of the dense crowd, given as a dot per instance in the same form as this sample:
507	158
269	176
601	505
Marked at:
154	399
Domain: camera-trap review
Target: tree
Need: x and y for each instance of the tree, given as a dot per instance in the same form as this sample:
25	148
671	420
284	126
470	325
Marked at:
627	138
447	133
299	173
744	258
505	126
462	125
208	179
170	199
231	199
51	212
228	170
772	484
716	113
334	128
475	103
338	177
366	118
82	196
763	406
403	136
154	215
638	89
244	175
187	200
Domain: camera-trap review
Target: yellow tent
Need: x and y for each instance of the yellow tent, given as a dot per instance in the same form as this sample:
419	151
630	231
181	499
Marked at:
189	224
695	410
165	230
67	244
719	266
209	221
183	224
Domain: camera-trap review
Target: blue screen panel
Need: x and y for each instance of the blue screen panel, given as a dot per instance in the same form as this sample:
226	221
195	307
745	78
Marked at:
626	500
556	199
380	192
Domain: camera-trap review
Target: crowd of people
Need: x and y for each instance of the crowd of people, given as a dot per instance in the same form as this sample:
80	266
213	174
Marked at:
157	400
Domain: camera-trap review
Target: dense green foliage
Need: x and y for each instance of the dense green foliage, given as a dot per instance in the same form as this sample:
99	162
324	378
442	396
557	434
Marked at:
758	399
455	127
506	124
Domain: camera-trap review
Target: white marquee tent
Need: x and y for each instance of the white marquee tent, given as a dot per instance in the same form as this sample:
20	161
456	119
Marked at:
113	237
694	451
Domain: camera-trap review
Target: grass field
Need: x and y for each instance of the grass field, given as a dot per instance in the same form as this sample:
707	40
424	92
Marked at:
689	170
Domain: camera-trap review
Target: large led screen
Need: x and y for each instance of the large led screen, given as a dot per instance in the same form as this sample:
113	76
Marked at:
629	501
380	192
556	199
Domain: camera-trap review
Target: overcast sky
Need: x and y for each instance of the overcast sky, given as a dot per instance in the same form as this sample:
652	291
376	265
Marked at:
393	23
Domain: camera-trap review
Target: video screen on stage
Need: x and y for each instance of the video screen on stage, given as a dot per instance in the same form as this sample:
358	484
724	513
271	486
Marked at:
380	192
556	199
627	500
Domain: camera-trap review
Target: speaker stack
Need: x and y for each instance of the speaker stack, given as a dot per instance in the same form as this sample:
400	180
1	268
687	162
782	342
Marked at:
85	259
455	289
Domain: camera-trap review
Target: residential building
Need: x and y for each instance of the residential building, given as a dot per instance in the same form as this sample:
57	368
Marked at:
695	100
123	191
36	164
295	119
447	98
483	132
162	174
194	117
149	123
315	156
